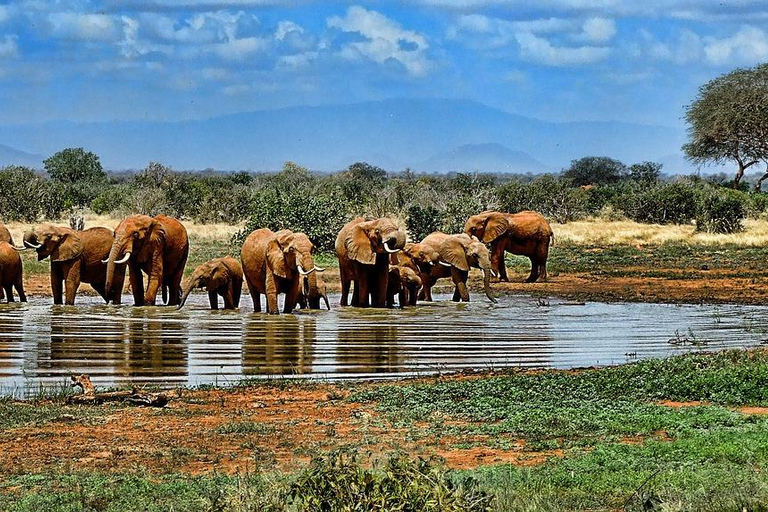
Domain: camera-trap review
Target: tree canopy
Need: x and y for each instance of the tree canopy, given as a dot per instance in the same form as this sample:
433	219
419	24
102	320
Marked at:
80	174
728	120
595	170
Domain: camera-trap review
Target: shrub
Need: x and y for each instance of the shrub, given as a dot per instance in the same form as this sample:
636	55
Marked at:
720	210
422	221
551	196
339	483
672	203
27	196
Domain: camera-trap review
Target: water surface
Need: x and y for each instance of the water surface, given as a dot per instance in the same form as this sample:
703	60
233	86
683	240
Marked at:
42	344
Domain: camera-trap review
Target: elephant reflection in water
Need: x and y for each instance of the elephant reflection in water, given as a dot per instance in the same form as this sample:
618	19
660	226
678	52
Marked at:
155	346
81	344
11	336
369	349
279	345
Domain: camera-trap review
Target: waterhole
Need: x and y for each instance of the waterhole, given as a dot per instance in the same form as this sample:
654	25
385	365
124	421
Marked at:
42	344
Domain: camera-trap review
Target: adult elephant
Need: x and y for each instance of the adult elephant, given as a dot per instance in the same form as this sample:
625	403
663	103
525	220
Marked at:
5	235
76	257
458	253
363	247
220	277
10	273
275	263
525	233
157	246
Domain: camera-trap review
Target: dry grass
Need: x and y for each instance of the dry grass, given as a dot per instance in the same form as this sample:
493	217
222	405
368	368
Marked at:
212	232
602	232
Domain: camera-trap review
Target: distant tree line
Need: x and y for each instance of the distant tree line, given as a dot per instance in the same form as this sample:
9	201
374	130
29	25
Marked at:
320	204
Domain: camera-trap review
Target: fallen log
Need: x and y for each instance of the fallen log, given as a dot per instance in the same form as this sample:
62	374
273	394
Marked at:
133	397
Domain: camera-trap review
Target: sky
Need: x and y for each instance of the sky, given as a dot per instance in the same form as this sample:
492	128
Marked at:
639	61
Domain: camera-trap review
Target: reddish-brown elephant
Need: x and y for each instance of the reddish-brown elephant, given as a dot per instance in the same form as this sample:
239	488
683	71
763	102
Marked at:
525	233
403	282
220	277
157	246
5	235
76	256
275	263
458	253
363	247
10	273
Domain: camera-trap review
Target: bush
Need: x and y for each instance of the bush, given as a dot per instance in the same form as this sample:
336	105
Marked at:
422	221
551	196
27	196
720	210
339	483
672	203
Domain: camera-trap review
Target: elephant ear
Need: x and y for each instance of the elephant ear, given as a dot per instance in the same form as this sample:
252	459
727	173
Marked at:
219	276
359	246
496	225
276	259
70	246
454	252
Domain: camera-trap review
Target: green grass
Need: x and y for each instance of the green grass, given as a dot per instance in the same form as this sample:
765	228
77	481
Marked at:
26	414
245	427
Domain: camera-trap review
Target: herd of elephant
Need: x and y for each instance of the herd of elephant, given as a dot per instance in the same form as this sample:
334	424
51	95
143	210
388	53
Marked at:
374	260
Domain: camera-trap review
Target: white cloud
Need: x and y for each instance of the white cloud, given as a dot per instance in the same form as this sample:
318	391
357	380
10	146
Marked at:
240	49
599	30
748	46
9	47
84	27
539	50
286	27
5	13
385	40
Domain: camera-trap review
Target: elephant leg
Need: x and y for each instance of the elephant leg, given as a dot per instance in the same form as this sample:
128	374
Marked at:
497	262
292	297
213	299
117	288
155	280
345	282
56	284
19	285
236	288
72	283
378	286
460	280
99	287
174	287
272	307
9	292
137	284
402	296
535	268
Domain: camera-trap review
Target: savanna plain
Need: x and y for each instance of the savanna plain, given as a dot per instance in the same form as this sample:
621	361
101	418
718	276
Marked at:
684	433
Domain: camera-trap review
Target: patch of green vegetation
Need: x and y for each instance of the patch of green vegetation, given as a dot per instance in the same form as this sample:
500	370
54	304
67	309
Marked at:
245	427
590	406
26	414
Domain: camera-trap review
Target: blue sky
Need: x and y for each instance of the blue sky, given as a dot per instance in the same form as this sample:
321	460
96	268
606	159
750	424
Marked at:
638	61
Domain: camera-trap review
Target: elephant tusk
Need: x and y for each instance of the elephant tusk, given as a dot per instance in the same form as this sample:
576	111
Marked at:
123	259
31	245
319	269
105	260
494	273
445	264
305	272
20	248
431	263
386	248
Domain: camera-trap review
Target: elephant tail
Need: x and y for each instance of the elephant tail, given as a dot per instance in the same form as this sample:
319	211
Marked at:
552	238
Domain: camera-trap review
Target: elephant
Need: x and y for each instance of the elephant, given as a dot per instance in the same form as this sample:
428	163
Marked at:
405	283
306	301
457	254
363	247
76	257
158	246
526	233
5	235
220	276
421	258
11	272
274	263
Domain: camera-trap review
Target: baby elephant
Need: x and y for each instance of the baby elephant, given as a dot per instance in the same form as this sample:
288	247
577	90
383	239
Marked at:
220	276
403	282
10	273
309	301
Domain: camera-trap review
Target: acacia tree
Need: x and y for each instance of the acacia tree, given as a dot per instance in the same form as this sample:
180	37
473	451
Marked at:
79	173
728	121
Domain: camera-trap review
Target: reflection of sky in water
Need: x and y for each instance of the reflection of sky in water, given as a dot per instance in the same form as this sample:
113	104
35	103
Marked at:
42	344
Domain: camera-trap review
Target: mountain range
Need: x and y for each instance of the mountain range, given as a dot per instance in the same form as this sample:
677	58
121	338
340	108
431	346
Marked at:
425	135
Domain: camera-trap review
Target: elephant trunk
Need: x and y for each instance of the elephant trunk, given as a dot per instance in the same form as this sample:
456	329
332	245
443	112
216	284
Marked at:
112	263
191	283
394	242
30	241
309	281
485	266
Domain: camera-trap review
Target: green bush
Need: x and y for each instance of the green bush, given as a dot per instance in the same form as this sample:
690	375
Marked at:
672	203
27	196
339	483
720	210
549	195
422	221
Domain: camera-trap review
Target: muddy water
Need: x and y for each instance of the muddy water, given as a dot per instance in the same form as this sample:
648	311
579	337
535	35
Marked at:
42	344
